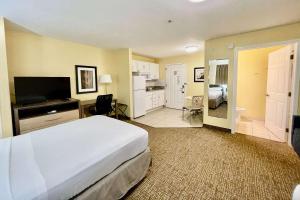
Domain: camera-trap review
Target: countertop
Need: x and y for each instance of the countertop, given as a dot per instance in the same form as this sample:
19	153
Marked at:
154	88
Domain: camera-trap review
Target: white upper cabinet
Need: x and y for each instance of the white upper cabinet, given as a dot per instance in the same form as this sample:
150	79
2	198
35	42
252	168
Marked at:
155	71
135	66
151	70
144	67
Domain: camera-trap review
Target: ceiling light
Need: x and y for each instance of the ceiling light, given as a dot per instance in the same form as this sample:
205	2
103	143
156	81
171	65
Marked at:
191	49
196	1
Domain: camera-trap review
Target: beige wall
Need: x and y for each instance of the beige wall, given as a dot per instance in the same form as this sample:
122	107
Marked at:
143	58
5	111
29	54
191	61
218	48
33	55
252	81
122	62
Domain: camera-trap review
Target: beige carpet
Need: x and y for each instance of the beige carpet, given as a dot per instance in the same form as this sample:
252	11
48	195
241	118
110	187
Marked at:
219	112
200	163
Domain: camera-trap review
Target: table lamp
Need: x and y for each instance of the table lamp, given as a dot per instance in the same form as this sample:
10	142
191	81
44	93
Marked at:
105	79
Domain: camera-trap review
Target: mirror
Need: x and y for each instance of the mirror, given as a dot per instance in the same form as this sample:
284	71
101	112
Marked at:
217	88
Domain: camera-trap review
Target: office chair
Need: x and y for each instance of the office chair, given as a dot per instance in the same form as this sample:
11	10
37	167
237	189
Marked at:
103	105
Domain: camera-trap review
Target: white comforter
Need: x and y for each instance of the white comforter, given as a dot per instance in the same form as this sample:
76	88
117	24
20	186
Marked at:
61	161
214	94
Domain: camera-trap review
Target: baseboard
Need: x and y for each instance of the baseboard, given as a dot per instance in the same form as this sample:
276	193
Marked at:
217	128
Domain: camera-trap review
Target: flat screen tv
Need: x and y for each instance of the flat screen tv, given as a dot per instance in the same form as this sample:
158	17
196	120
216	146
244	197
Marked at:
38	89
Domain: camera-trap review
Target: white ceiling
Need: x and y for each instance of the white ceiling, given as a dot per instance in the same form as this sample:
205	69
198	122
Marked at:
143	24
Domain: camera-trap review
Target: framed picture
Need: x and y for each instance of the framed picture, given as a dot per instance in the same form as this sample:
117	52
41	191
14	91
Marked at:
86	79
199	74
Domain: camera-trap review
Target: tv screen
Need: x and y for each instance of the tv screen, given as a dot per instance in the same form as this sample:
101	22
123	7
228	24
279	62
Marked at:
38	89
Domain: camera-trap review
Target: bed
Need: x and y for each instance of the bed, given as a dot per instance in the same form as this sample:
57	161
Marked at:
215	96
92	158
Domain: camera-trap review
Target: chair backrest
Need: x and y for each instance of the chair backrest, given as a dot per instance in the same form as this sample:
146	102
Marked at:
103	104
197	101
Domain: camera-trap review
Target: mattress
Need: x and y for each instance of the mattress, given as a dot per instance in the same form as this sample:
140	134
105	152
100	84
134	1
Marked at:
61	161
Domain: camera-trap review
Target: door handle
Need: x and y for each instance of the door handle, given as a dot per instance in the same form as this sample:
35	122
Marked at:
267	95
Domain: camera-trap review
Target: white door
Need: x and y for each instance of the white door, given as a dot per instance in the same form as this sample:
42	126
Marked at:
277	92
176	85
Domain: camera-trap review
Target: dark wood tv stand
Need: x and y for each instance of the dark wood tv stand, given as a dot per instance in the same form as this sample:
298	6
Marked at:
36	116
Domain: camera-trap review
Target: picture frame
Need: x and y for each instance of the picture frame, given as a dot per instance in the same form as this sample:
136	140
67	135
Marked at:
86	79
199	74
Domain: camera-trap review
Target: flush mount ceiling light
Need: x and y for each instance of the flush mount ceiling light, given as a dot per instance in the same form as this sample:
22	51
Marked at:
191	48
196	1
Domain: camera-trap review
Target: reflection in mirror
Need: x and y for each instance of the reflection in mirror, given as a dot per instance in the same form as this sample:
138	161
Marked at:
217	91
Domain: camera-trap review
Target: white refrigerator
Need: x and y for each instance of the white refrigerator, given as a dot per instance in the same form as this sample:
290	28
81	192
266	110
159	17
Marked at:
139	96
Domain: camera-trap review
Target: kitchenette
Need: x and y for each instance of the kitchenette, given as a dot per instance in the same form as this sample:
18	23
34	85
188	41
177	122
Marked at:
148	89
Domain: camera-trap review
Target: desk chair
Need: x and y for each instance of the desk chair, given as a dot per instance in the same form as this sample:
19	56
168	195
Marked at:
103	105
195	108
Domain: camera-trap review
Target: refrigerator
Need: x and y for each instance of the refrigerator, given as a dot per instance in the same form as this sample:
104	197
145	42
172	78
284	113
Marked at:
139	96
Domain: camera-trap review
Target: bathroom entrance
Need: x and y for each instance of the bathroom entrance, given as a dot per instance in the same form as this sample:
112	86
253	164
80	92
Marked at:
264	87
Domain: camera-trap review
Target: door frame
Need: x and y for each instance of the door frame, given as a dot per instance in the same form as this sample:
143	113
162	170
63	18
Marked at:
294	88
166	68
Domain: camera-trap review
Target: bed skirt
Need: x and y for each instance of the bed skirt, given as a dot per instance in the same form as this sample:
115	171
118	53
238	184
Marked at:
116	184
214	103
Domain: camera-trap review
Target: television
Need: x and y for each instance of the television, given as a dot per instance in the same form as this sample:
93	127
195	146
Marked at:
39	89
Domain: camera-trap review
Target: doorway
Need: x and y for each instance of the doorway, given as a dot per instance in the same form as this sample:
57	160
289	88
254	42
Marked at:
266	91
176	83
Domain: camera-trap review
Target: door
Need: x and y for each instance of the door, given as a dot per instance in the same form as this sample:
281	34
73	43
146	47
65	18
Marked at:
277	92
176	85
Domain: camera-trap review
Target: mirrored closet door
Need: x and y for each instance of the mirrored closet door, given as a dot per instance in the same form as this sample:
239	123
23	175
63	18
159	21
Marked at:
217	91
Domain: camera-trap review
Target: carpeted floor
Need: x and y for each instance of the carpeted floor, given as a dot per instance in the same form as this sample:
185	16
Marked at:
201	163
219	112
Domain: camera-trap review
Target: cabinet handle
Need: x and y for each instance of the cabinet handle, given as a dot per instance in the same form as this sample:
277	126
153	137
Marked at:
49	120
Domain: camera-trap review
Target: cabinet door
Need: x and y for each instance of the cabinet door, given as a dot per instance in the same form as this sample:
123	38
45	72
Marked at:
155	71
162	98
151	71
135	65
149	101
144	67
155	99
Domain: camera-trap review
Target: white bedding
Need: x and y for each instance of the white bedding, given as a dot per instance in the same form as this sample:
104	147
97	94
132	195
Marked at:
214	94
61	161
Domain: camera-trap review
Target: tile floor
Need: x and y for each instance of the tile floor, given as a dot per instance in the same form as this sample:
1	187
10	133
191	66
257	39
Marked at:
166	118
256	128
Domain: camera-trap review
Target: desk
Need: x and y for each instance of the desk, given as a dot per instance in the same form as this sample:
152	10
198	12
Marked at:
88	103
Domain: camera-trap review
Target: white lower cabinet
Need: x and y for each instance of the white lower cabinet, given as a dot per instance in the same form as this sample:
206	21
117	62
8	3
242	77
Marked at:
155	99
148	100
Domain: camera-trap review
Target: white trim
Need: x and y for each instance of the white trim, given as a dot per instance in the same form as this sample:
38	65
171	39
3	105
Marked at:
295	87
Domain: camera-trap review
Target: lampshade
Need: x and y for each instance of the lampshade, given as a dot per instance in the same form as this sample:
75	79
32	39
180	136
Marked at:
105	78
